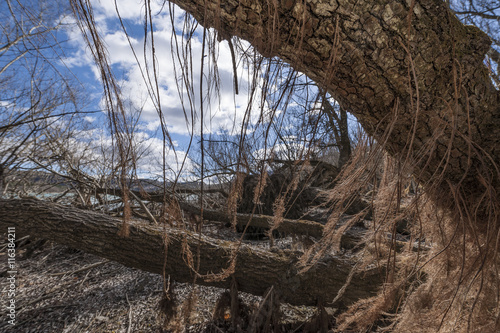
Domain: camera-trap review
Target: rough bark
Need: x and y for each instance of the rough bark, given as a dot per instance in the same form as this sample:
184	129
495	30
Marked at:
407	66
255	271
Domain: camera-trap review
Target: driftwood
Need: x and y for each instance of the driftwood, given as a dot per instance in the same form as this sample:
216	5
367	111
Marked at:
256	270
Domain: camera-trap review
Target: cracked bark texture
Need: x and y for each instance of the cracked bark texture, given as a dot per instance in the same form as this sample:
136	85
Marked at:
410	67
256	270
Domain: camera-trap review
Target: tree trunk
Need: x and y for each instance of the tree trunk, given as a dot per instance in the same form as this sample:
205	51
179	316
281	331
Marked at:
255	270
314	229
342	133
287	226
345	141
410	72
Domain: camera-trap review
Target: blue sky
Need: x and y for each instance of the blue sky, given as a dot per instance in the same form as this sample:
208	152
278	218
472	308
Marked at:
180	100
223	109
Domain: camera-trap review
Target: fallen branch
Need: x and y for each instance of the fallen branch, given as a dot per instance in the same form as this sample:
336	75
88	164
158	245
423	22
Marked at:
288	226
129	327
143	206
349	240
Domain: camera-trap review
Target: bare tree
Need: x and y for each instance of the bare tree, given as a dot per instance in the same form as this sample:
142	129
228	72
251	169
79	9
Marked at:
485	15
37	91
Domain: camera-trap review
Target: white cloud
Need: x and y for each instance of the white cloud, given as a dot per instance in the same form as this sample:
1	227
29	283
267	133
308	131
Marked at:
95	147
224	110
129	9
119	48
150	162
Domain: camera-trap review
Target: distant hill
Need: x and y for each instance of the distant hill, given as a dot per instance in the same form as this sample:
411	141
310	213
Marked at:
57	183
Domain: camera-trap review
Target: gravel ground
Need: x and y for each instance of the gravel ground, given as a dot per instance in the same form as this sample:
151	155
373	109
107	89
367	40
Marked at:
59	289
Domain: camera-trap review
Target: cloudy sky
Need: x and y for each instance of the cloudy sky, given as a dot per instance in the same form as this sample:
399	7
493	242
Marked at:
128	56
170	88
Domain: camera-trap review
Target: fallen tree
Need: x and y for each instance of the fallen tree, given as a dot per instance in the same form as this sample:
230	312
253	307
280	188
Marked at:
256	270
288	226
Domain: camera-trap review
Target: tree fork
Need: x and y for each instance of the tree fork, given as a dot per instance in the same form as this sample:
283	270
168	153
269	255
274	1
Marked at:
256	269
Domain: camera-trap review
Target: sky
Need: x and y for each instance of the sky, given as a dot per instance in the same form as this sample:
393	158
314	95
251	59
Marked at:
223	110
177	97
